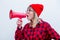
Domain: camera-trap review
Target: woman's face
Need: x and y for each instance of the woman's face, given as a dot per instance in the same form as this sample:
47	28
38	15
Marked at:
30	13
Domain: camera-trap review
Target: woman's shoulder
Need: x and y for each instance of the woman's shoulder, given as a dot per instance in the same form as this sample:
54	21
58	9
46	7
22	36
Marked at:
44	22
26	25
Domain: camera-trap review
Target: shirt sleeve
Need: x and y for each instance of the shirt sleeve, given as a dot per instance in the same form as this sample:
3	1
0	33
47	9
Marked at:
18	33
52	32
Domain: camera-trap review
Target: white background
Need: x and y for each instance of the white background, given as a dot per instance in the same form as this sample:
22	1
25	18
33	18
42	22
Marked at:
51	14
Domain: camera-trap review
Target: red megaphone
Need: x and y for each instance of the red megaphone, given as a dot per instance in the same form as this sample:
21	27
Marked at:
13	14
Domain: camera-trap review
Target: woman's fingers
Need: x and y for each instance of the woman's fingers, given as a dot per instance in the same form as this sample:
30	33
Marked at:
19	22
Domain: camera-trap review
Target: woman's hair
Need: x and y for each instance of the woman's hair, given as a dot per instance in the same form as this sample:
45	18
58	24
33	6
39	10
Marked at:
35	19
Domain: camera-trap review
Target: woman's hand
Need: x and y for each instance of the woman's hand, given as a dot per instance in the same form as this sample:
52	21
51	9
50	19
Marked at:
19	23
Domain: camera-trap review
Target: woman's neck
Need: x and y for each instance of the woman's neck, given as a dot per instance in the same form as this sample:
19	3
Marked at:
33	23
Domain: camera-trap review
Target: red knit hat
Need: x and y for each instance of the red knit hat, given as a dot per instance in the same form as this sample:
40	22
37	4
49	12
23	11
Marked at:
38	8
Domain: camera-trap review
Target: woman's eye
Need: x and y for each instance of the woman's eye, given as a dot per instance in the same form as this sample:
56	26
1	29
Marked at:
30	10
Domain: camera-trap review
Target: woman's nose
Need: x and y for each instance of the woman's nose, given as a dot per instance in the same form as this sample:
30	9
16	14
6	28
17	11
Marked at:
27	14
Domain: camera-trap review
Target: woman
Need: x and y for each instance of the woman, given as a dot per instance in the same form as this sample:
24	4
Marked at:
36	29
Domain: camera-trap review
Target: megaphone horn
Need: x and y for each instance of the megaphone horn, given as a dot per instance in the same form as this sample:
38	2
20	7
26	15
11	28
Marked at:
13	14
